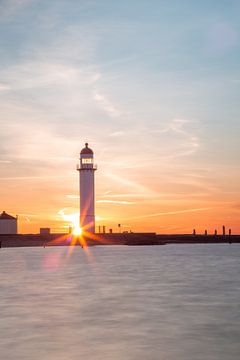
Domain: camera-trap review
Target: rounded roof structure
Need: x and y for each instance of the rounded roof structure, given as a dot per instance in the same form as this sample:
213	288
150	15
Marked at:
5	216
86	150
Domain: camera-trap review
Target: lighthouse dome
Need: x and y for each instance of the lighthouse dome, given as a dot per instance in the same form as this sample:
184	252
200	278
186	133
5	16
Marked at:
86	150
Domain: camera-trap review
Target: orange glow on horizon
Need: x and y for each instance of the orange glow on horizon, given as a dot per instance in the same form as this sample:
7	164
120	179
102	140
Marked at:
144	202
145	218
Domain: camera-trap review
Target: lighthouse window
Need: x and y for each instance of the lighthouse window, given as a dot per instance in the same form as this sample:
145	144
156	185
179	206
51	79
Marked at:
87	161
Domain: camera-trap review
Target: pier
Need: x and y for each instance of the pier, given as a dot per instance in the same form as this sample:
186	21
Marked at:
130	239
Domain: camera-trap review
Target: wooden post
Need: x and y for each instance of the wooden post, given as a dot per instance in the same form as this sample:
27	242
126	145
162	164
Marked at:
224	232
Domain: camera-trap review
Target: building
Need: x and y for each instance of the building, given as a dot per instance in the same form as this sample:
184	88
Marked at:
8	224
45	231
87	192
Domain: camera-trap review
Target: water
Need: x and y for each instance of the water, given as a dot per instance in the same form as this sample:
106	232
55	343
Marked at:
174	302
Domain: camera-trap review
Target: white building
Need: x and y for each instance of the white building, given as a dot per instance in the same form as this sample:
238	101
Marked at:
87	192
8	224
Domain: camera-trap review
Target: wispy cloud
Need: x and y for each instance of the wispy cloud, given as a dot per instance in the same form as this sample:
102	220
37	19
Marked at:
72	196
29	215
36	74
116	134
115	202
123	202
106	105
70	216
189	142
130	183
167	213
33	178
10	7
4	87
130	195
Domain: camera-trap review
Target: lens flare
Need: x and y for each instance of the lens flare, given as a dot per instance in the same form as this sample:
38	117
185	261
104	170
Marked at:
77	231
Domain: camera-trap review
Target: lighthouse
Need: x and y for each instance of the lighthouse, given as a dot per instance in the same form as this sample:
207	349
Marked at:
87	192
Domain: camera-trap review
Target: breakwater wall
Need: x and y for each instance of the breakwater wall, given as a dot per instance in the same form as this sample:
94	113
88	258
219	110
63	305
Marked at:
198	239
20	240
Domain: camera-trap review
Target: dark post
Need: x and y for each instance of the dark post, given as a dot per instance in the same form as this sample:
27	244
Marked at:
215	232
194	232
119	227
224	230
205	232
104	229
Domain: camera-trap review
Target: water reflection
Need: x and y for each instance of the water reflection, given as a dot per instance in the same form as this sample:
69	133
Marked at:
163	303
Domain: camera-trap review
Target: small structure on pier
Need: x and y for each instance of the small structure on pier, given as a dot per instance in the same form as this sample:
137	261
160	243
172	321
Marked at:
8	224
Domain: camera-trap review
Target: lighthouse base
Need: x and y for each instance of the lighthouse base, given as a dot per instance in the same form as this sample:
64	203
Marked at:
87	223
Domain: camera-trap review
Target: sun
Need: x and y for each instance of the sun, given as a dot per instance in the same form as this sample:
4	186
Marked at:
77	231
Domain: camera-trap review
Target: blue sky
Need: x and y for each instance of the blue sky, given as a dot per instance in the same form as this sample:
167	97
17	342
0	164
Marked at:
153	86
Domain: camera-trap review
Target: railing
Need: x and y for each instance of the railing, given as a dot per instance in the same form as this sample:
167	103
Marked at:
86	166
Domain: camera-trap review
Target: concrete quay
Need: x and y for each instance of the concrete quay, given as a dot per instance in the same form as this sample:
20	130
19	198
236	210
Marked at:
131	239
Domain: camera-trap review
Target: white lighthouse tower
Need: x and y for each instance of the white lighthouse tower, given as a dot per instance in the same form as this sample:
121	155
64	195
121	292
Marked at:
87	192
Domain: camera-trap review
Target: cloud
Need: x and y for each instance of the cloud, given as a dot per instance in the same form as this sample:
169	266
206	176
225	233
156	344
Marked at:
18	3
185	142
129	183
43	144
115	202
9	8
130	195
34	177
116	134
168	213
29	215
72	196
143	146
104	201
36	74
69	215
106	105
4	87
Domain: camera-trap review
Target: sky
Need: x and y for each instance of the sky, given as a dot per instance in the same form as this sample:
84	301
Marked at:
153	86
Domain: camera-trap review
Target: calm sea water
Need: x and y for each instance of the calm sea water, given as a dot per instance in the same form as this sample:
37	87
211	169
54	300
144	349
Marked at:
174	302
